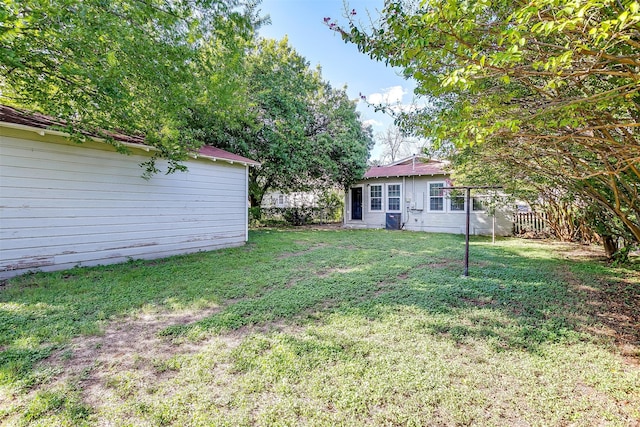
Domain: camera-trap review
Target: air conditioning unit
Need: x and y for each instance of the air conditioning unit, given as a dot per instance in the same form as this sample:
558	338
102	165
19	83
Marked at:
393	221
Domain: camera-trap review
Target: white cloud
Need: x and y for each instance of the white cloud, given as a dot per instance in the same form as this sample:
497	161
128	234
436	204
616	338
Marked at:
372	123
392	95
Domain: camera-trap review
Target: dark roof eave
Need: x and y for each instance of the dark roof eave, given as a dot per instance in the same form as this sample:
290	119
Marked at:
404	176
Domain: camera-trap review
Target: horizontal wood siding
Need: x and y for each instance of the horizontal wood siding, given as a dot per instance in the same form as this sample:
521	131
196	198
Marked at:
64	204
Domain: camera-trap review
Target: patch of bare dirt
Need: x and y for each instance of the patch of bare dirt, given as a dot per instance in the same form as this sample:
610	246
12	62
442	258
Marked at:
615	303
134	346
583	252
127	344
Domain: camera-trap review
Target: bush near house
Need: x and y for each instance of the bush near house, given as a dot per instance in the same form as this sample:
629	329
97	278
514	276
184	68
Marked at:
296	215
329	209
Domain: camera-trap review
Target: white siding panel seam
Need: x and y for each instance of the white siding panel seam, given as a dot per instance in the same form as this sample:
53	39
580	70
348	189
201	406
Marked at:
64	205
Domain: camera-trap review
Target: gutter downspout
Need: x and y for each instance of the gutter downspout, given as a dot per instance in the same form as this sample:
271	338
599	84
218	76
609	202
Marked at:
406	208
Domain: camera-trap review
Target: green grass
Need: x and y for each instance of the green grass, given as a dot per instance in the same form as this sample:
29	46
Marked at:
327	328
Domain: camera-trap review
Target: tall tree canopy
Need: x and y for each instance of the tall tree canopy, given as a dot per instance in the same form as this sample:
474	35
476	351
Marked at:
181	73
135	66
548	87
305	133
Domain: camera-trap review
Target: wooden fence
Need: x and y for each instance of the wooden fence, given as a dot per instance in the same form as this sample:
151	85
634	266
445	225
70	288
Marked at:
530	222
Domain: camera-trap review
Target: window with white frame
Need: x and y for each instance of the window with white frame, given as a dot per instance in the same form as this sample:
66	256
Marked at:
478	204
375	197
393	197
457	203
436	196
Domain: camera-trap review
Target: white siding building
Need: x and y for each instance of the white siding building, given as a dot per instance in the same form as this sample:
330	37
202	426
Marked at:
64	204
296	199
408	194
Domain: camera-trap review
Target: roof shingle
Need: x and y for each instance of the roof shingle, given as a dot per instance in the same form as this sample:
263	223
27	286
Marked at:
414	166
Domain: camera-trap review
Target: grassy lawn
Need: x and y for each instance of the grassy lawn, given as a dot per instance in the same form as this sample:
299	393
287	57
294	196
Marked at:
319	327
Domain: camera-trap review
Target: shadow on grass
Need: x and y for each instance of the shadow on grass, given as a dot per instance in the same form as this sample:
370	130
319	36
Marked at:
518	298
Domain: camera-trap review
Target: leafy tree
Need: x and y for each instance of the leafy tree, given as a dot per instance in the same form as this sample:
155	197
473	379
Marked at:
546	87
127	65
305	133
566	211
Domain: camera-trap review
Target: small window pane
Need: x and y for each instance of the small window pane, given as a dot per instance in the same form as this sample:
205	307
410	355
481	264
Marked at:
436	204
376	197
436	196
436	189
477	205
393	197
457	203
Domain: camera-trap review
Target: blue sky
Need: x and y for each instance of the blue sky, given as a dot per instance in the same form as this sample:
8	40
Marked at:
342	64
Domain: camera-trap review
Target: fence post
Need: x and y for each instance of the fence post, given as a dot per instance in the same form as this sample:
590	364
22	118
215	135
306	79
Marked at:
530	221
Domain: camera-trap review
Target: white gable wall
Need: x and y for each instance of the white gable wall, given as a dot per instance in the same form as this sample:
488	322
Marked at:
64	204
416	210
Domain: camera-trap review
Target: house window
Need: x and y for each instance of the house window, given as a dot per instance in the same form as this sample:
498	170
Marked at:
436	196
393	197
457	203
376	197
477	204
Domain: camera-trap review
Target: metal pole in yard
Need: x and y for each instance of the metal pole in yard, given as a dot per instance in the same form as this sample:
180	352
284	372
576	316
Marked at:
468	212
466	249
493	229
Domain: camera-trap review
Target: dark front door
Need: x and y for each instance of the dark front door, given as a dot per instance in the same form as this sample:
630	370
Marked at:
356	203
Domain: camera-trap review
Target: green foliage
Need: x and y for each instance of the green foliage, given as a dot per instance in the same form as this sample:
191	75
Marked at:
131	66
332	203
545	88
255	215
618	241
180	75
378	326
305	133
298	215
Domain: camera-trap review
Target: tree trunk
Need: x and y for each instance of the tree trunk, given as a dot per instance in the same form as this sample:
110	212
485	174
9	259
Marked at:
254	201
610	246
256	191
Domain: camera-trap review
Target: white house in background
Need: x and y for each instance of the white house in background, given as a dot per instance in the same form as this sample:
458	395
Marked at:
409	195
278	199
64	204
